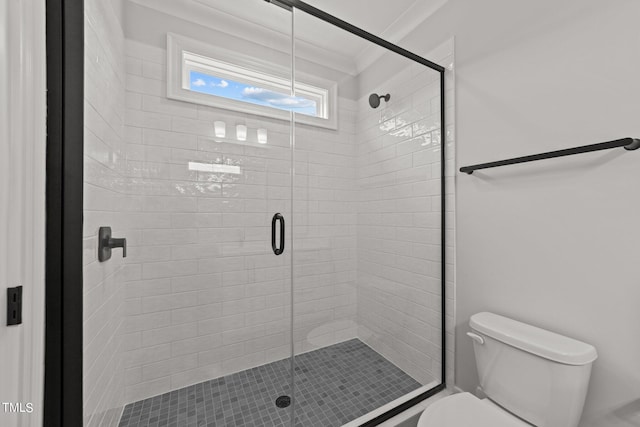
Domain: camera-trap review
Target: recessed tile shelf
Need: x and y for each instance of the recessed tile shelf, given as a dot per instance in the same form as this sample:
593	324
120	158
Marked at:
334	385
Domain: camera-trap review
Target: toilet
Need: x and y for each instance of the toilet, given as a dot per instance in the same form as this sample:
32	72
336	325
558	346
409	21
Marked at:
530	376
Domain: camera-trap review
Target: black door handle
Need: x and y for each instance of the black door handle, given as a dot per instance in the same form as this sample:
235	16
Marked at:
277	250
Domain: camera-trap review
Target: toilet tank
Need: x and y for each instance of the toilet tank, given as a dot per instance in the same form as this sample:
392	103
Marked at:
540	376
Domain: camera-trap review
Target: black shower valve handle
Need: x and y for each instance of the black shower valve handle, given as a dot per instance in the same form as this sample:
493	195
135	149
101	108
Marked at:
106	243
119	243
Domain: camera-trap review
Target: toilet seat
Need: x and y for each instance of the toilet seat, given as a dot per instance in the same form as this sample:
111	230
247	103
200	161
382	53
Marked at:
466	410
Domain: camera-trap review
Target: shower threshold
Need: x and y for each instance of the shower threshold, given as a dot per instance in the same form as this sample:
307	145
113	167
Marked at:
333	386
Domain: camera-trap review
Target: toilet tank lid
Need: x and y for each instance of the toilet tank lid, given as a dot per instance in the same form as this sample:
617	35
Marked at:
534	340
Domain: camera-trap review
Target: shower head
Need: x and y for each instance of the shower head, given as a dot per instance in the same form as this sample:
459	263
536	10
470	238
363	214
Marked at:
374	99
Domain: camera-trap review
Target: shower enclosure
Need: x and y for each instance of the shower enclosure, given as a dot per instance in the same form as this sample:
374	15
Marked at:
284	236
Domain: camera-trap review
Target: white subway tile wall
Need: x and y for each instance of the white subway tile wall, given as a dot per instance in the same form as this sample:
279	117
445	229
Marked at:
201	294
399	240
105	204
324	233
205	294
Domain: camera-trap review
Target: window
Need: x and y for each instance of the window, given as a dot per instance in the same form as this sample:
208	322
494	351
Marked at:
221	78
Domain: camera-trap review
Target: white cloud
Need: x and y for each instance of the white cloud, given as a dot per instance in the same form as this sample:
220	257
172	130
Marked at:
222	84
252	91
198	83
276	99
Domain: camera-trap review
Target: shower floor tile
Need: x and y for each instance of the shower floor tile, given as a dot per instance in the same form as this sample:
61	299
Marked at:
334	385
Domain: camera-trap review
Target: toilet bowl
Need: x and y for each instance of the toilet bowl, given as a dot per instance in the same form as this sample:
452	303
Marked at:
466	410
530	376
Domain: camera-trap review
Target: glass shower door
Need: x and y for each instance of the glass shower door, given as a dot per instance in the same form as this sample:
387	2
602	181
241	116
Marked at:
367	235
205	199
253	250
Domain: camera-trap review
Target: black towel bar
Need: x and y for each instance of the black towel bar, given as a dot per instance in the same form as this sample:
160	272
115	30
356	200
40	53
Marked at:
627	143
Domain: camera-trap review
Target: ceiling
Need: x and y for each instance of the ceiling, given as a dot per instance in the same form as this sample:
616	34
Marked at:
389	19
372	15
375	16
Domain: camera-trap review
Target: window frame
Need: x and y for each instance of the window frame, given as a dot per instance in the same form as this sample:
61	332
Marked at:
185	55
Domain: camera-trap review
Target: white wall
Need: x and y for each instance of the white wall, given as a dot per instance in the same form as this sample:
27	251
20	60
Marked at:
22	206
105	204
552	243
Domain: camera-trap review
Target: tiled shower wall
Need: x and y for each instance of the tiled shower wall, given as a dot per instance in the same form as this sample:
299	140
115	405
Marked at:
205	295
399	247
105	204
324	227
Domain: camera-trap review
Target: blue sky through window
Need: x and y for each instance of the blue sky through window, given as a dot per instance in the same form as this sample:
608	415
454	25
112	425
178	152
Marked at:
204	83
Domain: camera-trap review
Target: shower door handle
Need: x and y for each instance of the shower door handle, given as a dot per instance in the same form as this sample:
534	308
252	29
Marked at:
277	250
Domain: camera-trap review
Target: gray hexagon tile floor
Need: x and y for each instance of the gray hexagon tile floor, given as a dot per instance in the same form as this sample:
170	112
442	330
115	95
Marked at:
334	385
